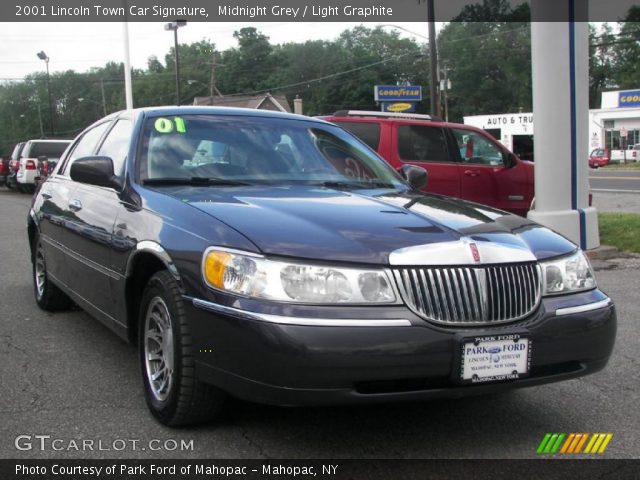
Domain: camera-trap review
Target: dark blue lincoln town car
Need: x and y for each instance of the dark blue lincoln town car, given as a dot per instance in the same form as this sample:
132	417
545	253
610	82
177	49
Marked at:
278	259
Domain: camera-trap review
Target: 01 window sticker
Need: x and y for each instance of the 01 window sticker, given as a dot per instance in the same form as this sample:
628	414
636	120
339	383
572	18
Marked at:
166	125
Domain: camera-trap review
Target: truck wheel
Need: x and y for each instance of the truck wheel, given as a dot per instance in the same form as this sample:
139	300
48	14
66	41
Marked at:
48	296
167	358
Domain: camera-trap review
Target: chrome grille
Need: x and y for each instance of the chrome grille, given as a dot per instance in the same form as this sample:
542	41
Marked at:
471	295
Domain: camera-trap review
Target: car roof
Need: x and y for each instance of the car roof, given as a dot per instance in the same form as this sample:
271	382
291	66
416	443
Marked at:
211	110
404	119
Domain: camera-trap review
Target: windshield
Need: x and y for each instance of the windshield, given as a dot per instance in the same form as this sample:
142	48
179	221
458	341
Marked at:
48	149
15	155
258	150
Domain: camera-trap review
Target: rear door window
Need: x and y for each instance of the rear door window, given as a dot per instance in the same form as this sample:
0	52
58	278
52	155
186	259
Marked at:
369	133
417	143
15	155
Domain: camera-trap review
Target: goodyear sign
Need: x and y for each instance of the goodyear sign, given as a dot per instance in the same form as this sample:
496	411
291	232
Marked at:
630	98
394	93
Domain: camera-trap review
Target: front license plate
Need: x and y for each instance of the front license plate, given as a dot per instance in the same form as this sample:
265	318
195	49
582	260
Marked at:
495	358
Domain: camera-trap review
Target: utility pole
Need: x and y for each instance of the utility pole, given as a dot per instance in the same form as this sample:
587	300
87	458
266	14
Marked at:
104	101
128	89
40	120
433	59
174	26
43	56
212	86
445	85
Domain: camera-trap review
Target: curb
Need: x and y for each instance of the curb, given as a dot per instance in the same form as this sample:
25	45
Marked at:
605	252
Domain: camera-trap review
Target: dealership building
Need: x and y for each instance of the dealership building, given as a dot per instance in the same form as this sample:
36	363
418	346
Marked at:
619	114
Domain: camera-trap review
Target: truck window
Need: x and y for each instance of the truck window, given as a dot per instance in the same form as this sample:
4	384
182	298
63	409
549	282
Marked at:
417	143
369	133
477	149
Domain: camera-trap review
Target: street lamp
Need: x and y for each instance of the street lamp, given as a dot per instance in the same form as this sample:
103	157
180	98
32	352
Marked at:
175	26
43	56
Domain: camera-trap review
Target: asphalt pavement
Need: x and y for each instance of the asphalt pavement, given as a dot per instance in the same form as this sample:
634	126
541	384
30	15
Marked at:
614	180
616	202
66	376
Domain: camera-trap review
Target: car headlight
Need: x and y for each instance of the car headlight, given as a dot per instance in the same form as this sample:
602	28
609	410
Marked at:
254	276
568	274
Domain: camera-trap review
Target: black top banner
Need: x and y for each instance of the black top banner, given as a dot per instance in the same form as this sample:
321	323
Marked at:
293	10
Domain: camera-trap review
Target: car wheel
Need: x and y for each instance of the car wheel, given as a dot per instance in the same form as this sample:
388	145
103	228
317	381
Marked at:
48	296
172	392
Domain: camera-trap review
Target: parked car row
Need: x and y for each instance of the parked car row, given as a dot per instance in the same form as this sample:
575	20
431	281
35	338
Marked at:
31	162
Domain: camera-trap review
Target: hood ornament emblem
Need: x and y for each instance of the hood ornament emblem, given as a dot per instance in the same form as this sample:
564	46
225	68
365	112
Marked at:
475	252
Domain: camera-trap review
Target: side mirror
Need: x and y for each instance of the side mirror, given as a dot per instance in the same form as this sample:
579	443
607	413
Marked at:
94	171
416	176
511	160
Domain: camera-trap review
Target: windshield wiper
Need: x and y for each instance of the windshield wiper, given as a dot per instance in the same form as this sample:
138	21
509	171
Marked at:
196	181
354	184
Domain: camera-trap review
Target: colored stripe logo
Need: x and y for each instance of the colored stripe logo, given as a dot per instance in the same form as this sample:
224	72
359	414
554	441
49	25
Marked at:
593	443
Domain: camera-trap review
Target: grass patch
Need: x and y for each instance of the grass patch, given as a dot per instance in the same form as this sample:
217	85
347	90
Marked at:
622	230
622	166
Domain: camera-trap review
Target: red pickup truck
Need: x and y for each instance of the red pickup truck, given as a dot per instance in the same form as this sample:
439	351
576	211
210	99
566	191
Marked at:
462	161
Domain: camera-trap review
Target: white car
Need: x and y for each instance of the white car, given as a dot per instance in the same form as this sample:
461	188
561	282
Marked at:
32	151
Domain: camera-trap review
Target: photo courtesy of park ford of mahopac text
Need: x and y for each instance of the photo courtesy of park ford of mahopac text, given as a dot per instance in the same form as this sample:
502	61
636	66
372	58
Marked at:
331	239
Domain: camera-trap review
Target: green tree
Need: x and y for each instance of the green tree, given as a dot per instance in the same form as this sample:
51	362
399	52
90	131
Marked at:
626	51
601	68
247	67
488	63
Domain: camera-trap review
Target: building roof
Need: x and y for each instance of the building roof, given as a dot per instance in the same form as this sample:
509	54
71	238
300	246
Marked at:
265	101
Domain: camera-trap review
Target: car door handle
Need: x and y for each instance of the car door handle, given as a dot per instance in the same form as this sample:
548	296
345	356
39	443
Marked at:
75	205
46	195
471	173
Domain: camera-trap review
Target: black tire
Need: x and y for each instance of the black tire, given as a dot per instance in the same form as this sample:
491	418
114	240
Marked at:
176	398
48	296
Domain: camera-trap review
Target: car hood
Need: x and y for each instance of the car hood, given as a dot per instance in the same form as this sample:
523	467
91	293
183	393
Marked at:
371	226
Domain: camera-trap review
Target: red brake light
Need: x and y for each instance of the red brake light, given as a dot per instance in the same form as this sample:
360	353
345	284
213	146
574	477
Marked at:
31	165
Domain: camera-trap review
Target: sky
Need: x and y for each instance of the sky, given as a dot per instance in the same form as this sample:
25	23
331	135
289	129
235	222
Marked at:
80	46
